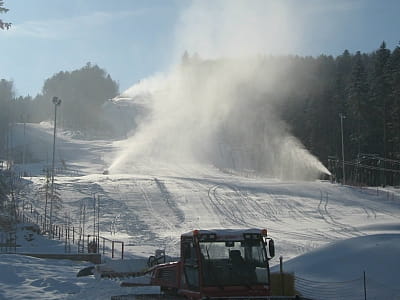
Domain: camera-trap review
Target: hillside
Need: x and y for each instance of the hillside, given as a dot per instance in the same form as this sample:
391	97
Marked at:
152	204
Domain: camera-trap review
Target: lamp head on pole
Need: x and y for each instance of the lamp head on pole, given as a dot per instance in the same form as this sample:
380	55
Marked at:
56	101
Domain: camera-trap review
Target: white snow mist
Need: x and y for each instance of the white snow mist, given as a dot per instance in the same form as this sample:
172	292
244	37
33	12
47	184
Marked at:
221	111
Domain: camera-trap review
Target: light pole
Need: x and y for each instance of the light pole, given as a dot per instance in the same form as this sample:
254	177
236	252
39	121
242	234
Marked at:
341	116
23	152
56	102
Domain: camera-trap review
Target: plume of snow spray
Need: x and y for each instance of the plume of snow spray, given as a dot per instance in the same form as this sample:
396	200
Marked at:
219	111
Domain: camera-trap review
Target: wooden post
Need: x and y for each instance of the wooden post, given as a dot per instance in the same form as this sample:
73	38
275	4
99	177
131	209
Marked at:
112	249
365	288
282	276
122	254
98	223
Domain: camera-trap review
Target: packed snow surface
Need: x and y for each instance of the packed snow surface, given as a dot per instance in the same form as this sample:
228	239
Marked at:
324	231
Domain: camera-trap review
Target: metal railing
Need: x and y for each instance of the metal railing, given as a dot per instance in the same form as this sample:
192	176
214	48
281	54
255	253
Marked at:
85	243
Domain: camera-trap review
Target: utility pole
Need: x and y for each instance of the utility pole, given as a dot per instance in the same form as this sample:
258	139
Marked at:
94	217
47	196
341	116
56	101
23	153
98	224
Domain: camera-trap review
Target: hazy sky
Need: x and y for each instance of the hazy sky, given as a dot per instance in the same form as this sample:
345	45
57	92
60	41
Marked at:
134	39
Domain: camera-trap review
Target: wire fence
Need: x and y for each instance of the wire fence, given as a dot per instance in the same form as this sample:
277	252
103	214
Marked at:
352	289
379	290
7	242
366	169
72	235
361	288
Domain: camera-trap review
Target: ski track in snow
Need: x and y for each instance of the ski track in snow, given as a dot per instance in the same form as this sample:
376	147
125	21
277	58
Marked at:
166	200
152	205
155	203
346	230
155	210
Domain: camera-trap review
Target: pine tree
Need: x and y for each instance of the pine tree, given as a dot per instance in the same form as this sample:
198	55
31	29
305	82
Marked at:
393	77
3	25
357	93
6	95
378	102
83	92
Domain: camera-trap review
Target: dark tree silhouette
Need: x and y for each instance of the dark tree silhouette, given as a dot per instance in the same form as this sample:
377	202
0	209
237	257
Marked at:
83	92
4	25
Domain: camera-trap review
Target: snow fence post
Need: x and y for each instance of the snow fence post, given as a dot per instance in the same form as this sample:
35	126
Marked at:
365	288
281	272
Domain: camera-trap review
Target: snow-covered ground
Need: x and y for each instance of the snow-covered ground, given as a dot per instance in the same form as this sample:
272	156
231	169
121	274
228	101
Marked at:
325	232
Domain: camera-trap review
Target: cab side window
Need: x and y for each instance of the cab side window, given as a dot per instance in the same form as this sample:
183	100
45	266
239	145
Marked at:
190	265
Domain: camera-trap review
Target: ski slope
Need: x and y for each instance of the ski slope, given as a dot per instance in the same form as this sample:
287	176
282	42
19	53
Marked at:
155	203
150	205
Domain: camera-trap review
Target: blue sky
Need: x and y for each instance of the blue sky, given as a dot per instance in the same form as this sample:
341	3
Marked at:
134	39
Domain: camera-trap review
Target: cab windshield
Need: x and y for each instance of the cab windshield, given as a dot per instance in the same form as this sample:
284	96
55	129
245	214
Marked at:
234	263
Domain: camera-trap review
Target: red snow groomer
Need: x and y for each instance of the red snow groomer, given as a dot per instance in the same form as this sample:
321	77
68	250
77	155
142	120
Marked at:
221	263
